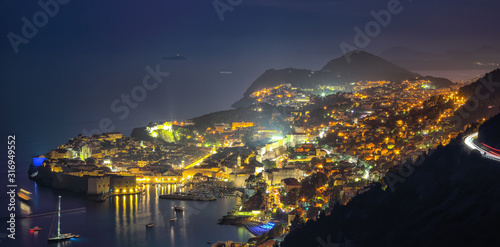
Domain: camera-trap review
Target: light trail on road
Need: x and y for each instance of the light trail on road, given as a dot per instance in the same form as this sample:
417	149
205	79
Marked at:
469	142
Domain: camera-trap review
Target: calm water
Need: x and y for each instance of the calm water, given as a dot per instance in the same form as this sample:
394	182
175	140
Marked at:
120	221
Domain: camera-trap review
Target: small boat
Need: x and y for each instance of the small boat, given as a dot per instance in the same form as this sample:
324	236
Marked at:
63	237
178	209
209	242
173	216
35	229
60	237
24	195
102	197
150	225
25	191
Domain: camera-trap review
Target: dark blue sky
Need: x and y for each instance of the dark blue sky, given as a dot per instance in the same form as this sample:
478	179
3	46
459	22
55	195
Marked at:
89	53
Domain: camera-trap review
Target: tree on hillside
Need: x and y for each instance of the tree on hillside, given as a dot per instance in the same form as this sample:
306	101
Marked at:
269	164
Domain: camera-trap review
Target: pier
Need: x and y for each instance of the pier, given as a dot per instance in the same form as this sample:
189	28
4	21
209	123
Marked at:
187	197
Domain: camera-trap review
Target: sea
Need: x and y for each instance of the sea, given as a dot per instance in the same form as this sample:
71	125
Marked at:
119	221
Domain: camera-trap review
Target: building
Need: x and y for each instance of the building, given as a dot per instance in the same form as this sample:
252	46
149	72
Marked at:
238	125
85	152
98	185
198	177
123	184
238	180
107	162
220	128
290	184
142	163
112	136
275	176
60	154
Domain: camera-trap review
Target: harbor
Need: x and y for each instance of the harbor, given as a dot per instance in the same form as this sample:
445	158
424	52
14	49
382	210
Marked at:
203	192
122	220
187	197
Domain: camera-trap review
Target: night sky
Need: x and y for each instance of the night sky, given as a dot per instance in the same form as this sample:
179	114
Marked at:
90	52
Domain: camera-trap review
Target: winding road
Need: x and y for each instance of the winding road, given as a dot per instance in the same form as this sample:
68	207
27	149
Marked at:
472	142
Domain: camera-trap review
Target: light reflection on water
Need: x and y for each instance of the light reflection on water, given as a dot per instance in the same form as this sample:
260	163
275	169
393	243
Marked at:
121	220
25	208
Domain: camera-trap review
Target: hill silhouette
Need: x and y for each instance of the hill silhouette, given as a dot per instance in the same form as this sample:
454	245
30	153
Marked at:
273	77
352	67
489	132
361	66
484	57
483	99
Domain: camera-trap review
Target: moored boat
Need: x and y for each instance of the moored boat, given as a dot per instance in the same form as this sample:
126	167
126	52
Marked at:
35	229
24	195
63	237
60	237
173	216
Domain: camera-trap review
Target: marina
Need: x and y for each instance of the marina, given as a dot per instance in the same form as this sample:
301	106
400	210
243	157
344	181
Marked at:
121	220
182	196
202	192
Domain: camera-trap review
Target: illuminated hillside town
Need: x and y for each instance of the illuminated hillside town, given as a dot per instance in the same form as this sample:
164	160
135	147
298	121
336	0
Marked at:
289	157
261	123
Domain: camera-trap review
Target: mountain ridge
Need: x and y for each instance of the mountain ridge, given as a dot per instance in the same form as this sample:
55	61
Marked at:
352	67
484	57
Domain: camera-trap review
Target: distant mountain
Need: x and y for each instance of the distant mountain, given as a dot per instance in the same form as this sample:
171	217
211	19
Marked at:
362	66
449	198
273	77
352	67
485	57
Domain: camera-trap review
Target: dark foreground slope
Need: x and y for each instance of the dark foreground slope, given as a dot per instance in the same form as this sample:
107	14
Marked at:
489	132
451	199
